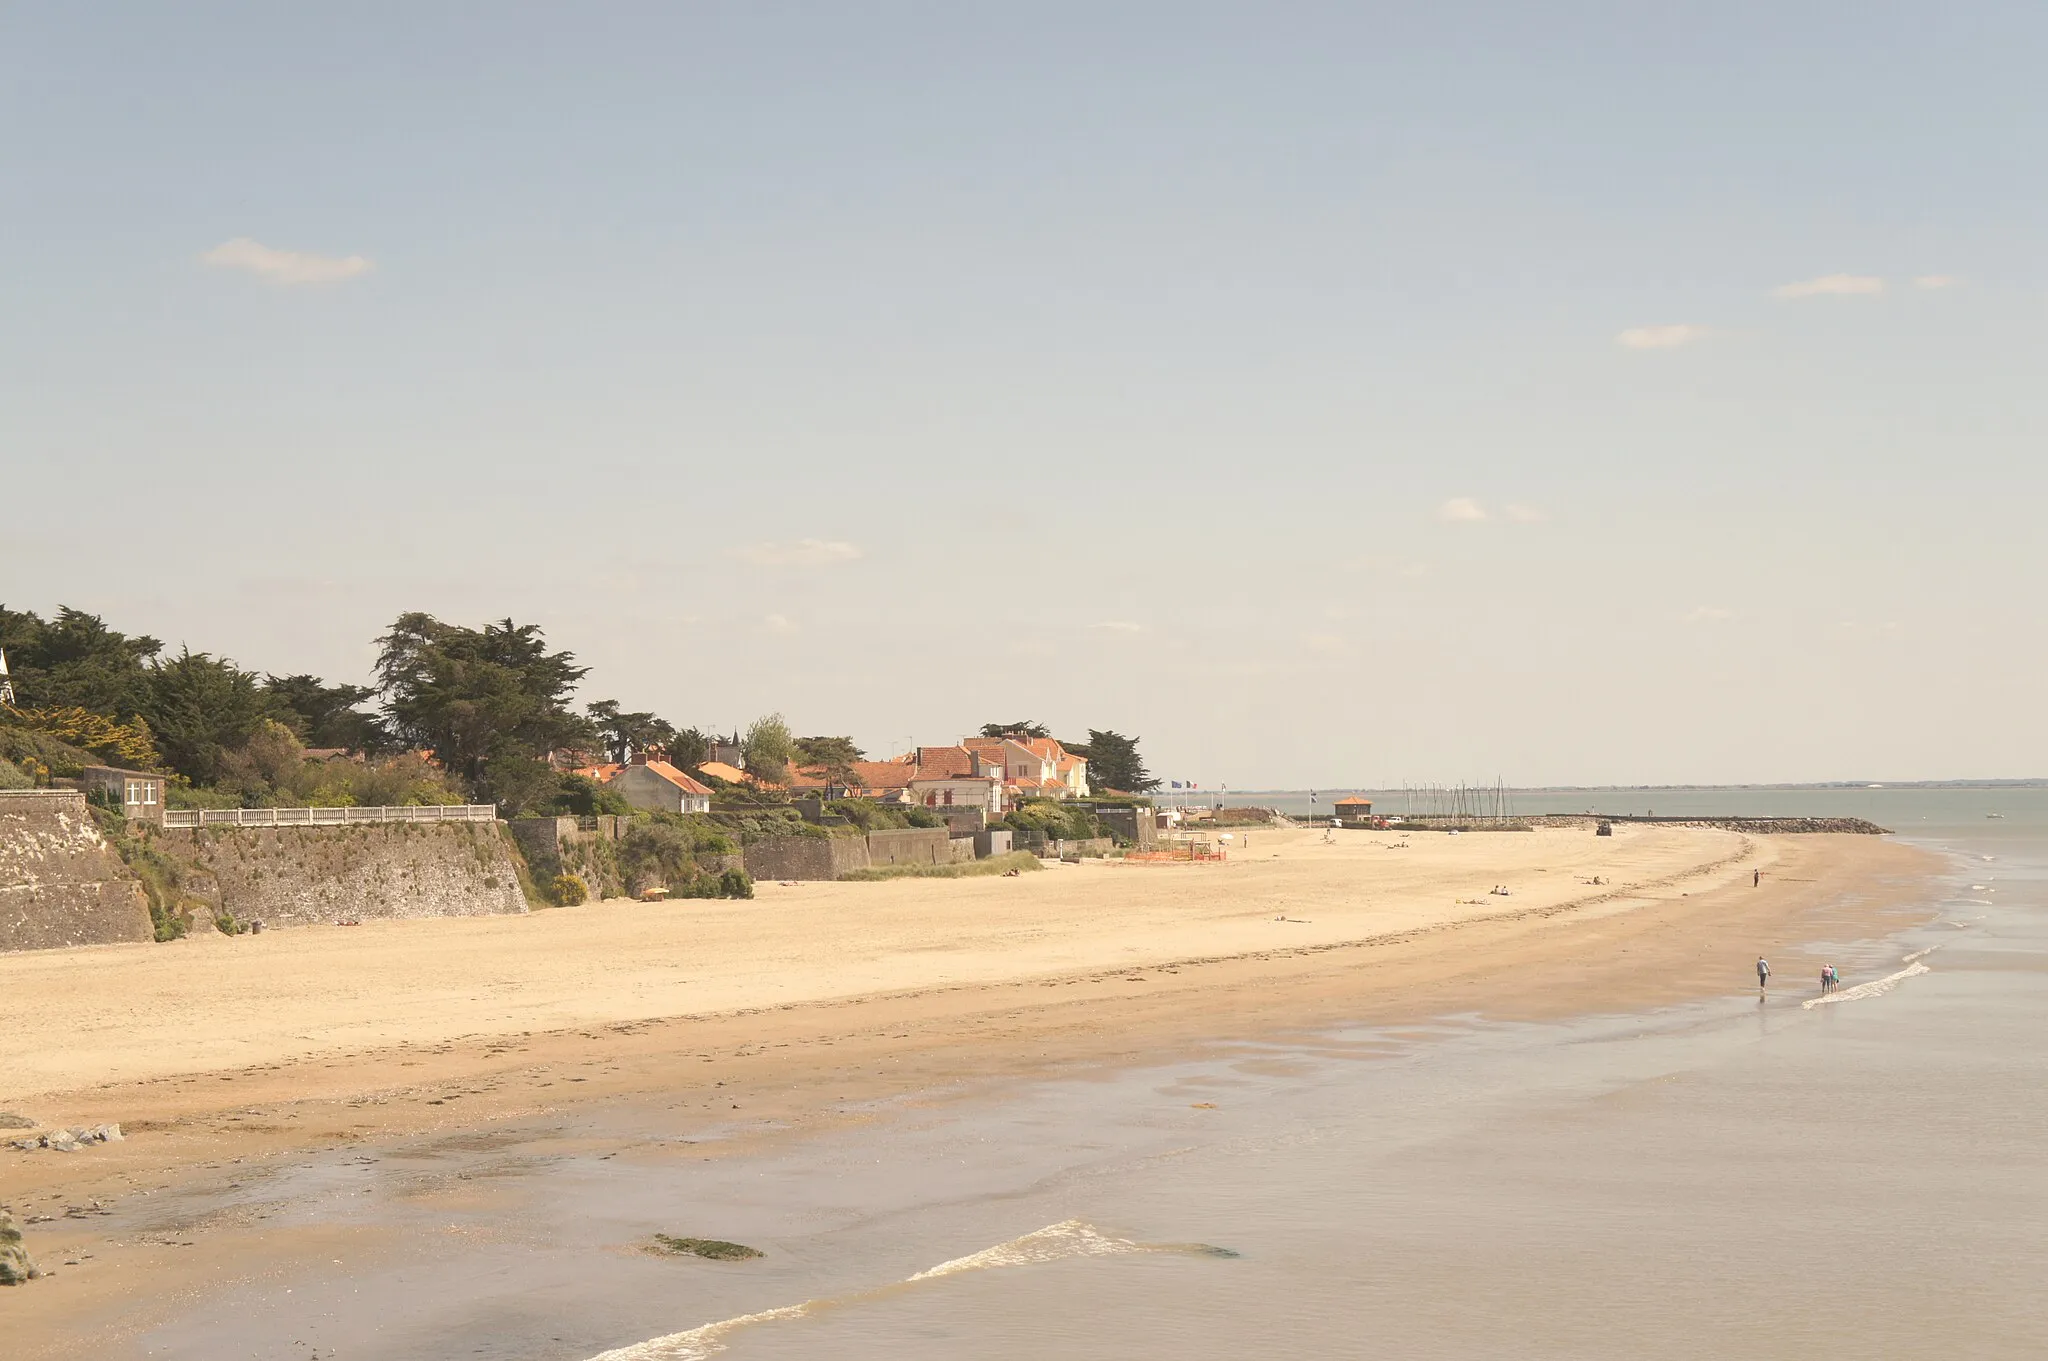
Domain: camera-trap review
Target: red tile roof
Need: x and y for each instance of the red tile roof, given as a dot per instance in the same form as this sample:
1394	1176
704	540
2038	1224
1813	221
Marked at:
679	779
883	774
719	770
939	762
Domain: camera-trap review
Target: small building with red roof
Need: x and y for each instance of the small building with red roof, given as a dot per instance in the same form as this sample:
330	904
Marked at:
660	787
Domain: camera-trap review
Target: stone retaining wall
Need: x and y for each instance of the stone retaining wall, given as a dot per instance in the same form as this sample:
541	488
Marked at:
60	883
290	876
805	857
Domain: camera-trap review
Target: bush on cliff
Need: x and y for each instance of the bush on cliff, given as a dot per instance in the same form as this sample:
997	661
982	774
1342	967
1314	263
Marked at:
569	891
12	777
1064	821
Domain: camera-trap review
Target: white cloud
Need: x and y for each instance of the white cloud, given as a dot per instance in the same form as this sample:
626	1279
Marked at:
1461	510
286	266
1326	644
800	553
1117	626
777	623
1659	337
1936	281
1837	284
1709	614
1413	570
1525	515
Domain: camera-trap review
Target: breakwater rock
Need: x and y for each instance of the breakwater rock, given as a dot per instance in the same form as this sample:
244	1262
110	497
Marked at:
1752	826
15	1267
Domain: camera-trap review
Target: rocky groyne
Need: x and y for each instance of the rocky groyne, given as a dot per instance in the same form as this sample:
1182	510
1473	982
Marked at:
1752	826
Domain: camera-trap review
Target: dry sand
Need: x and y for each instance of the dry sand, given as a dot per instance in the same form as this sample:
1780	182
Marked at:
219	1049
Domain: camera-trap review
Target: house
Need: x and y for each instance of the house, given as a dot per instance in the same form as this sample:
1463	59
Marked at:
137	793
722	770
956	777
660	787
1353	811
1033	767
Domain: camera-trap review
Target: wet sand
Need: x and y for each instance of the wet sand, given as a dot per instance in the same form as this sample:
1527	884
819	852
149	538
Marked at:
772	1019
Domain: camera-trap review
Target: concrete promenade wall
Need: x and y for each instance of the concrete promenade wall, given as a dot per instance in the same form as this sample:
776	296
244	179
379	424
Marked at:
291	876
60	883
818	857
910	846
805	857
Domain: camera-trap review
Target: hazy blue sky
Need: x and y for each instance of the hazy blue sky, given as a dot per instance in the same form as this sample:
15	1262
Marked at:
1334	394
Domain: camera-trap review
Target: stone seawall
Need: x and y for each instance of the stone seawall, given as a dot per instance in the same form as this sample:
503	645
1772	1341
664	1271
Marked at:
910	846
60	883
1752	826
290	876
806	857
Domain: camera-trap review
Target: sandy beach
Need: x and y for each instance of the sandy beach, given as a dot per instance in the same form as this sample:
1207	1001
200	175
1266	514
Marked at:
776	1017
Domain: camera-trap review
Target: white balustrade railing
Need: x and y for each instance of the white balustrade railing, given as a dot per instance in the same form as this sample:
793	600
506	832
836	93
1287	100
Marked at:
327	817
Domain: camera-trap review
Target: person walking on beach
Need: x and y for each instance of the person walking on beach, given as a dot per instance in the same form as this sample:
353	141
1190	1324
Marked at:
1763	973
1756	878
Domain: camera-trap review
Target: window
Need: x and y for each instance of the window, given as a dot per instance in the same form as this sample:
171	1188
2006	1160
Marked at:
949	798
132	791
149	791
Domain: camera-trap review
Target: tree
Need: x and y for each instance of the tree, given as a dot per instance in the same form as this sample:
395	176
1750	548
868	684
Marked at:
200	708
1114	763
689	748
830	752
76	661
768	748
625	734
1025	729
326	715
489	703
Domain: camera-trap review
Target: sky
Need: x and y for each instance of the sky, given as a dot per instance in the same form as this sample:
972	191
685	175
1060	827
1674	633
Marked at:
1333	395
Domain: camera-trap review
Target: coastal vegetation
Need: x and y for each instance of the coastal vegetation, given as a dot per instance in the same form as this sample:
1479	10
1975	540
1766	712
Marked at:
716	1249
454	714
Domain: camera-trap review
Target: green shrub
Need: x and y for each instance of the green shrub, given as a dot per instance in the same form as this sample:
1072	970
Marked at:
569	891
12	777
1065	821
735	883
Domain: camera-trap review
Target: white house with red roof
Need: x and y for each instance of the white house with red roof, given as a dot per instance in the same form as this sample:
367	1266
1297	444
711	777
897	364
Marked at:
1033	767
954	777
660	787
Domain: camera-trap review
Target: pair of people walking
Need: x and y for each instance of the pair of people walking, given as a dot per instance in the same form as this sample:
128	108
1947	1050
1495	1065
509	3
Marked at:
1830	978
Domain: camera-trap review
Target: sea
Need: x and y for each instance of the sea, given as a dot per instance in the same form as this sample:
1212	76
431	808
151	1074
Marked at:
1862	1175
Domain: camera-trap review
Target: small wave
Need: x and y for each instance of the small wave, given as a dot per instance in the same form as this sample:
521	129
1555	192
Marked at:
1068	1238
1919	954
1875	988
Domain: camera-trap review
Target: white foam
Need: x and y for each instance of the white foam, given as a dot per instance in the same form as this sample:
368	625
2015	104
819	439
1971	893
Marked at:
1919	954
1875	988
1068	1238
698	1343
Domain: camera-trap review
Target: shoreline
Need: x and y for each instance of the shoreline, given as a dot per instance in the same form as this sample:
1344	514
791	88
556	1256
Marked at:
754	1076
